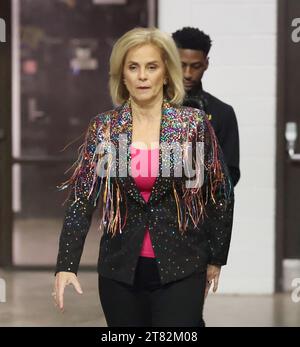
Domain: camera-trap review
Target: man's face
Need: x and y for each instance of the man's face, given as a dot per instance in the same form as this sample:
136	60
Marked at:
194	63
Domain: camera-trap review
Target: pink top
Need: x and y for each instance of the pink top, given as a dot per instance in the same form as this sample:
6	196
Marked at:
144	170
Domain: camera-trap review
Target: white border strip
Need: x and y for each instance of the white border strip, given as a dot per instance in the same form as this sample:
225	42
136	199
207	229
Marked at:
151	13
16	105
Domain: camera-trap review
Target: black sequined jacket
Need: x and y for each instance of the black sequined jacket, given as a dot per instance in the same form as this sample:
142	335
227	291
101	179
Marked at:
190	226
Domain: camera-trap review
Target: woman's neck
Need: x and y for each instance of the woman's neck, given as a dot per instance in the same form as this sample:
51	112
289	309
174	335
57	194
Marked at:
146	111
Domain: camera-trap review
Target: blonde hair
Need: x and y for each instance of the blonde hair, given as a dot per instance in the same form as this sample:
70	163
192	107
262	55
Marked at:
174	89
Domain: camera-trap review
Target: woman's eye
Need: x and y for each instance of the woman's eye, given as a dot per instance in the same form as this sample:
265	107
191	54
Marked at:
132	67
152	67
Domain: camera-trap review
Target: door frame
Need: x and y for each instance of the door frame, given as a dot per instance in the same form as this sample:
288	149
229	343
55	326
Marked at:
5	139
284	31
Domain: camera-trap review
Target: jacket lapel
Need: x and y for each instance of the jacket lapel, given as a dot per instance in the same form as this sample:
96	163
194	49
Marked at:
169	132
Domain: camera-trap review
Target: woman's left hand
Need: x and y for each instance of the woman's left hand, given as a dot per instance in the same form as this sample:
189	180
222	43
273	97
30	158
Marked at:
212	276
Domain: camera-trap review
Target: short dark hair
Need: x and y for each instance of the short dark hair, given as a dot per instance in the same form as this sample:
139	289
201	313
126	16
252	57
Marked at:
192	38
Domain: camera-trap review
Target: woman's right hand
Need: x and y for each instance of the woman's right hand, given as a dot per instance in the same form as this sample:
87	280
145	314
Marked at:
61	280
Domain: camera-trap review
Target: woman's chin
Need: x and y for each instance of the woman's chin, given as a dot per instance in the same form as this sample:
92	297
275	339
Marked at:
143	98
146	97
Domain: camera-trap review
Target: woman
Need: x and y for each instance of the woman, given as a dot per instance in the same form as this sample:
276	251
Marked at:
166	226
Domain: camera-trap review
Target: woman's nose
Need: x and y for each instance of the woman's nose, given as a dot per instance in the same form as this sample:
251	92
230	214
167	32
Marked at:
142	74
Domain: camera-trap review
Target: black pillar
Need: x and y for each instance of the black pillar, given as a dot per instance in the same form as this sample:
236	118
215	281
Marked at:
5	136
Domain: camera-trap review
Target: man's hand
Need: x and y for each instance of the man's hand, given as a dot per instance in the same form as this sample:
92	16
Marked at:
212	276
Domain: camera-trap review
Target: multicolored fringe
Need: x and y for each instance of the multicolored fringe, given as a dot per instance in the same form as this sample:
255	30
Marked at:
216	186
190	202
88	187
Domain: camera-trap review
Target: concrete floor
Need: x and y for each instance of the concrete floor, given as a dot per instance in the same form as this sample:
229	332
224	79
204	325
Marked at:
29	303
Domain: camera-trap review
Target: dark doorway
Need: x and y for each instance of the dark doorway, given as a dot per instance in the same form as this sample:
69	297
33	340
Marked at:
288	166
60	62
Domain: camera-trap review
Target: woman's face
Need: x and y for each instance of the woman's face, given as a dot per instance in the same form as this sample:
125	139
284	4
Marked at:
144	73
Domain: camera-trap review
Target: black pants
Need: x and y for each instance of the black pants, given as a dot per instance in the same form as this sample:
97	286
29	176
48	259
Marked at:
148	303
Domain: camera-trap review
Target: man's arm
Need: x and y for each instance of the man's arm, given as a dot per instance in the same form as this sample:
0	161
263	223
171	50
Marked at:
228	137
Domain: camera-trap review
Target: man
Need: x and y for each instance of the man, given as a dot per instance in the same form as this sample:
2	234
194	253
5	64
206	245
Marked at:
194	46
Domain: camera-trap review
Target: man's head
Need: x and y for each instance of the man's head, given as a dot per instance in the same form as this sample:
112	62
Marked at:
193	46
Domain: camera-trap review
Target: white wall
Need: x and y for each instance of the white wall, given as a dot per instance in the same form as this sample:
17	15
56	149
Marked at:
242	73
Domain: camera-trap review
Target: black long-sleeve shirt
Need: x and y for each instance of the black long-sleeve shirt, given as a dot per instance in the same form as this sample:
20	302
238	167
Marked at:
224	122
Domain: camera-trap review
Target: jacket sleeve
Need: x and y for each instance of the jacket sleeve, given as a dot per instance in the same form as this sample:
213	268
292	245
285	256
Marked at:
228	137
219	196
80	204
